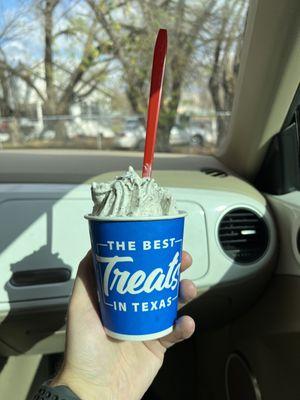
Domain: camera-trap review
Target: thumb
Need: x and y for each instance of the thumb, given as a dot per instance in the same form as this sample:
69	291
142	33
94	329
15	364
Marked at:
184	328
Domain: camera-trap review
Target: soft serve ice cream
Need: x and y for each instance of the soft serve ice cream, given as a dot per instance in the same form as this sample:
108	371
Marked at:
131	196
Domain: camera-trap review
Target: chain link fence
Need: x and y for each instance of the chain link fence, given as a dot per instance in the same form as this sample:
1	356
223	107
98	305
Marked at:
199	134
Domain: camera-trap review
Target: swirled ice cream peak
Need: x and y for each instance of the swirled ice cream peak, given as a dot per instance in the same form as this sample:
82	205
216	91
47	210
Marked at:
131	195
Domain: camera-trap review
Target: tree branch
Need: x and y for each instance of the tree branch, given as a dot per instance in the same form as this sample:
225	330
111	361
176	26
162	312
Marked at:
22	74
48	54
96	75
67	32
87	58
87	92
117	47
133	29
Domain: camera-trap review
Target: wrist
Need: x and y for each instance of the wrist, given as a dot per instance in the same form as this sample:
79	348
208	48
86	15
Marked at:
81	387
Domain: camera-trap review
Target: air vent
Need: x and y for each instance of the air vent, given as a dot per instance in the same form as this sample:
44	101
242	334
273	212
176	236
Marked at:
243	235
214	172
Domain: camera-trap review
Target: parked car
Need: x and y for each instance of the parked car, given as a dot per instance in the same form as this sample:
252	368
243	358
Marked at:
133	136
199	136
84	127
4	135
192	135
78	127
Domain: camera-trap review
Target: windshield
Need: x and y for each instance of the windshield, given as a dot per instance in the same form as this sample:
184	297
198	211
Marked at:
75	73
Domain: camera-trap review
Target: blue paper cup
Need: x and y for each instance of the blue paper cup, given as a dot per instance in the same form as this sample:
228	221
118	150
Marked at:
137	269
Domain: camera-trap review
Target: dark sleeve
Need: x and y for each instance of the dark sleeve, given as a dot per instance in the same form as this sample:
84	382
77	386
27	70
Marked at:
46	392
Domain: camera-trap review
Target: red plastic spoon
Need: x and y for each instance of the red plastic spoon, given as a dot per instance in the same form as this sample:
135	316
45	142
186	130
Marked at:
158	69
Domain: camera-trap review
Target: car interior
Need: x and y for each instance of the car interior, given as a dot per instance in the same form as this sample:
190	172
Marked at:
242	230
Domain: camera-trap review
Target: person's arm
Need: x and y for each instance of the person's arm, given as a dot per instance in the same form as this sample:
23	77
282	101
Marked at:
97	367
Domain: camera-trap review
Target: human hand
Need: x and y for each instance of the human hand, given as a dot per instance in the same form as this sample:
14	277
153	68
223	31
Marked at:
97	367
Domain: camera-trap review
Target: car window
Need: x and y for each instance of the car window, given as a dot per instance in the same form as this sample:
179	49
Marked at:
75	73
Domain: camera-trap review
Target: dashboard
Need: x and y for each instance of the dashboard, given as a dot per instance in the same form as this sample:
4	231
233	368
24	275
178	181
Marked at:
229	231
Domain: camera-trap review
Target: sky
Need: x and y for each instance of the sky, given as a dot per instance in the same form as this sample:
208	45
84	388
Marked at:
8	4
24	40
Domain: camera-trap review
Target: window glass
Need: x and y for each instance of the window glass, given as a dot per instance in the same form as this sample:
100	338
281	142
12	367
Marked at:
75	73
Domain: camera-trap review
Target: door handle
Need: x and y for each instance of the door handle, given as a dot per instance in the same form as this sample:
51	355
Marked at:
40	276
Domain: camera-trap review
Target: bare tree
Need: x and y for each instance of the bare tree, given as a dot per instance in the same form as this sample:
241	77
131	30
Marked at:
228	35
11	30
187	26
132	44
64	82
